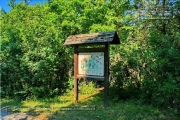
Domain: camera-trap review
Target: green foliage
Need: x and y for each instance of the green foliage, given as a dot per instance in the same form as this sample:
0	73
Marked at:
32	53
70	84
146	65
87	87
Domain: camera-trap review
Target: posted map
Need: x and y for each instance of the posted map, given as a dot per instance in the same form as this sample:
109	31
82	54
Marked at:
91	63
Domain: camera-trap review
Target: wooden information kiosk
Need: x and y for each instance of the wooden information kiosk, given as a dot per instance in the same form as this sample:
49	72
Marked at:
92	62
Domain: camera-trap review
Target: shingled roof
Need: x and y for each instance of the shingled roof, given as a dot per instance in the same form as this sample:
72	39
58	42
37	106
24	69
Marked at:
105	37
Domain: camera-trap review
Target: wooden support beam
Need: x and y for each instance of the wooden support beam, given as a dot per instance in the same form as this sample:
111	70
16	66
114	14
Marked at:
75	74
106	74
98	78
90	49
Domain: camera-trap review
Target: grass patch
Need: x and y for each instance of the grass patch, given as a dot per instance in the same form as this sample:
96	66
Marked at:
90	106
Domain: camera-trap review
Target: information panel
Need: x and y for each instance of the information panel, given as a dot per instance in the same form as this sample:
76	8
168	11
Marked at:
91	63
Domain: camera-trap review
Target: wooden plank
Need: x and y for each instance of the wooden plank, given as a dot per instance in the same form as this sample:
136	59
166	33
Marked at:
90	49
106	73
75	74
98	78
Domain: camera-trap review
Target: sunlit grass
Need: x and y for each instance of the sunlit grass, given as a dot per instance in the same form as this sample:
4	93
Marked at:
31	104
42	108
118	110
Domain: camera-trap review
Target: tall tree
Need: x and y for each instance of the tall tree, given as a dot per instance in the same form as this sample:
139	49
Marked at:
26	1
11	3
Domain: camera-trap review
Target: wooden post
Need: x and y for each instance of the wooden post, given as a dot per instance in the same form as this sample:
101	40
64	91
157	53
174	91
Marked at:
106	74
75	74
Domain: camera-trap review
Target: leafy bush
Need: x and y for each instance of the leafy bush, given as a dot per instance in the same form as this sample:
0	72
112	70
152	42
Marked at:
87	87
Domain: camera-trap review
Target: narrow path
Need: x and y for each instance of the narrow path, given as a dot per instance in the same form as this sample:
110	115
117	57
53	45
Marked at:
6	114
